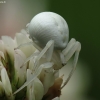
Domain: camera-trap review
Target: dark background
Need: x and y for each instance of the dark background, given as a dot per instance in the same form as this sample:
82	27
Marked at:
83	18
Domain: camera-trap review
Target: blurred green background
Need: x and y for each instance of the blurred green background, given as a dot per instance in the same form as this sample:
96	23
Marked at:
83	18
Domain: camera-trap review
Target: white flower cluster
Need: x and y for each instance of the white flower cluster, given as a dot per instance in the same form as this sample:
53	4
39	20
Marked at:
17	67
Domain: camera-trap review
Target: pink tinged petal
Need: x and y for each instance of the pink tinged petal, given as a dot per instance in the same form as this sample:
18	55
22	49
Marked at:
27	49
57	98
1	89
6	84
20	69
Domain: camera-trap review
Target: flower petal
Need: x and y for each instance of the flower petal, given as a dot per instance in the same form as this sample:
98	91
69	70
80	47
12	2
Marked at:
37	86
6	84
27	49
39	90
30	87
20	69
9	46
8	41
47	77
37	72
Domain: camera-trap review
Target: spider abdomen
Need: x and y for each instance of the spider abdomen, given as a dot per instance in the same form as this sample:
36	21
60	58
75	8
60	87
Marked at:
47	26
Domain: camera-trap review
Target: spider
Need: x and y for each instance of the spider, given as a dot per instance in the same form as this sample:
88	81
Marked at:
49	33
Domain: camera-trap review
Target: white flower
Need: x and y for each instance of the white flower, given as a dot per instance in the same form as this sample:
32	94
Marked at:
17	67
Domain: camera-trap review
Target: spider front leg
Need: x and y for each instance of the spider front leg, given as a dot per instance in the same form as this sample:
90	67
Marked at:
72	47
47	51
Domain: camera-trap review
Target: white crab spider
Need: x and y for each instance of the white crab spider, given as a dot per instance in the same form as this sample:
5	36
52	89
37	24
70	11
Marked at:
51	30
